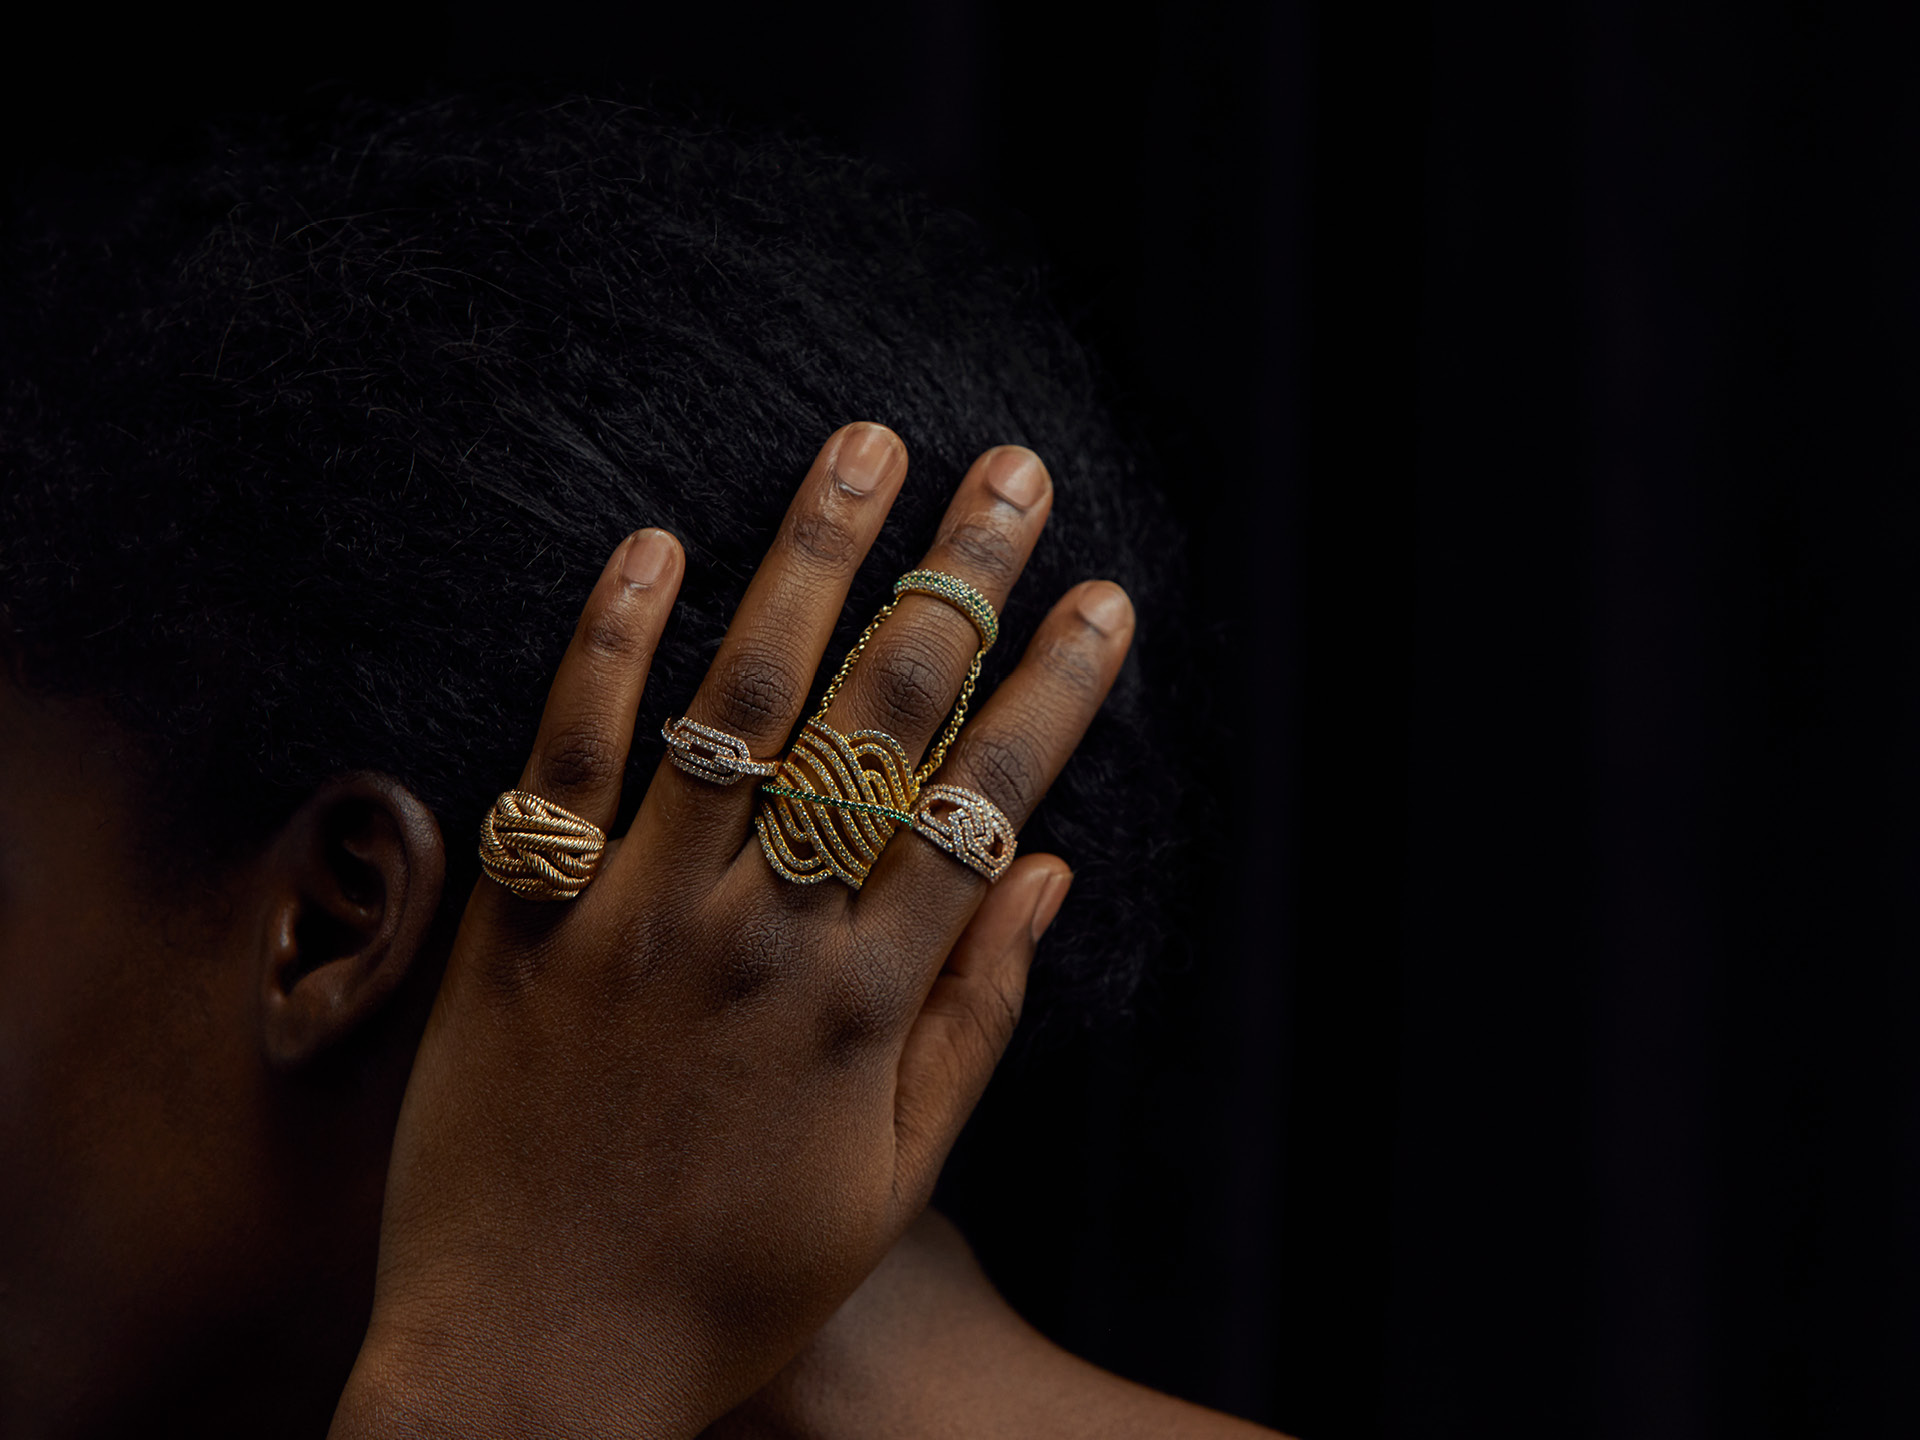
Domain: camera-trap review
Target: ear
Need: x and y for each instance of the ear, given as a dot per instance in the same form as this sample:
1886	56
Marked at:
353	882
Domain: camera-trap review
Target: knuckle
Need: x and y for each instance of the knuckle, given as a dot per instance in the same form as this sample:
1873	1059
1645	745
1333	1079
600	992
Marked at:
751	963
758	692
864	1004
579	757
613	636
1007	767
911	680
1072	665
848	1030
820	539
989	550
646	942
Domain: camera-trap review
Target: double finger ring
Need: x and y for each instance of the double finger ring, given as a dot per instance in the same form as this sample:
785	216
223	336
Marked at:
969	602
538	849
836	800
710	754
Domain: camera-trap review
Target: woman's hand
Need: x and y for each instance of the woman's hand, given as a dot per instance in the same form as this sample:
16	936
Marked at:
654	1136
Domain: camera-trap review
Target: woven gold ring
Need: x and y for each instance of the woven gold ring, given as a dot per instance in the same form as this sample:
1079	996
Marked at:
538	849
969	827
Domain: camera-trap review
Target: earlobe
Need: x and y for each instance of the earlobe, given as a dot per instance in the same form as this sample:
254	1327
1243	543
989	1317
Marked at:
353	886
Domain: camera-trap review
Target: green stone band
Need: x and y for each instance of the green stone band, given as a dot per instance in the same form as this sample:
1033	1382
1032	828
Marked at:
899	816
957	593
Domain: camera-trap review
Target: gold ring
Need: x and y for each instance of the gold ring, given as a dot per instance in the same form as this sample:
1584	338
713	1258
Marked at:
958	593
538	849
969	827
710	754
834	803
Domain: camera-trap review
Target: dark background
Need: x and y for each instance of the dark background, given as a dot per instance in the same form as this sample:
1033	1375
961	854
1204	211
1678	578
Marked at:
1539	382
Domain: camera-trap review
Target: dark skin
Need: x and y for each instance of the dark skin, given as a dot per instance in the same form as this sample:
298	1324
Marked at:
639	1171
199	1112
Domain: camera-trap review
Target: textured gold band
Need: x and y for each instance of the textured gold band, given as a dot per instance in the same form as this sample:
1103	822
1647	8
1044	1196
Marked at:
969	827
538	849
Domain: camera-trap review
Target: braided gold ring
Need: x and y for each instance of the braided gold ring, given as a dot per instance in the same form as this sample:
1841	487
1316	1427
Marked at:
969	827
538	849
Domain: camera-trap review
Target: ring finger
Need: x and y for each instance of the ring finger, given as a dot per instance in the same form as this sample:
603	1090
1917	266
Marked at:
908	678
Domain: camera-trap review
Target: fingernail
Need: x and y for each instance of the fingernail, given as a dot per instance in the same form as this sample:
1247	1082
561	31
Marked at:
646	559
865	455
1105	607
1016	475
1048	905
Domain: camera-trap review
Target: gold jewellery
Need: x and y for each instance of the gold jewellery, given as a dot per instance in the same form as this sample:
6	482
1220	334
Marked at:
834	804
538	849
710	754
829	807
968	826
970	603
837	799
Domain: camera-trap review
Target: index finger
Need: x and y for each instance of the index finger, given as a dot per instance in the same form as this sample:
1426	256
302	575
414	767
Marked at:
580	752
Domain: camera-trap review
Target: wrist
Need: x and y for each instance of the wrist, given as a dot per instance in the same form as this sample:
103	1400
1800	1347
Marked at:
443	1383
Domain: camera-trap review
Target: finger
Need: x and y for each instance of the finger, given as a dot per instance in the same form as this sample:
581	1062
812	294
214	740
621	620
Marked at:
918	894
765	666
581	749
967	1019
911	672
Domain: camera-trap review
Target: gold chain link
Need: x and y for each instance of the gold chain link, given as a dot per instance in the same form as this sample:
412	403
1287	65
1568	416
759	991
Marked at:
959	718
853	655
954	722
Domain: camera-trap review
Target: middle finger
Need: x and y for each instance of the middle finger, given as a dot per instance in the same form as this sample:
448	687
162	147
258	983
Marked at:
760	677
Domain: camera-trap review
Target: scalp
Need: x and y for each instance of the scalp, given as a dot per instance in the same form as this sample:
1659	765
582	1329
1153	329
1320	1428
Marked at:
312	447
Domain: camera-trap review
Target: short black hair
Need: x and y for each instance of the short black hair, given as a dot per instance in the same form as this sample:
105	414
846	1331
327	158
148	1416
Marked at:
314	443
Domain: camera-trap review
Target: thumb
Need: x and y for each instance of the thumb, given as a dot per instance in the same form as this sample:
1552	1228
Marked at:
967	1019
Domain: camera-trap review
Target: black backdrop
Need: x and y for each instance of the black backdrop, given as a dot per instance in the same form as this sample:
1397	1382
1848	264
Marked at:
1540	385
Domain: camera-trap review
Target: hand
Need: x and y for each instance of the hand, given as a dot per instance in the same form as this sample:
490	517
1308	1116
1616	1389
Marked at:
655	1135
